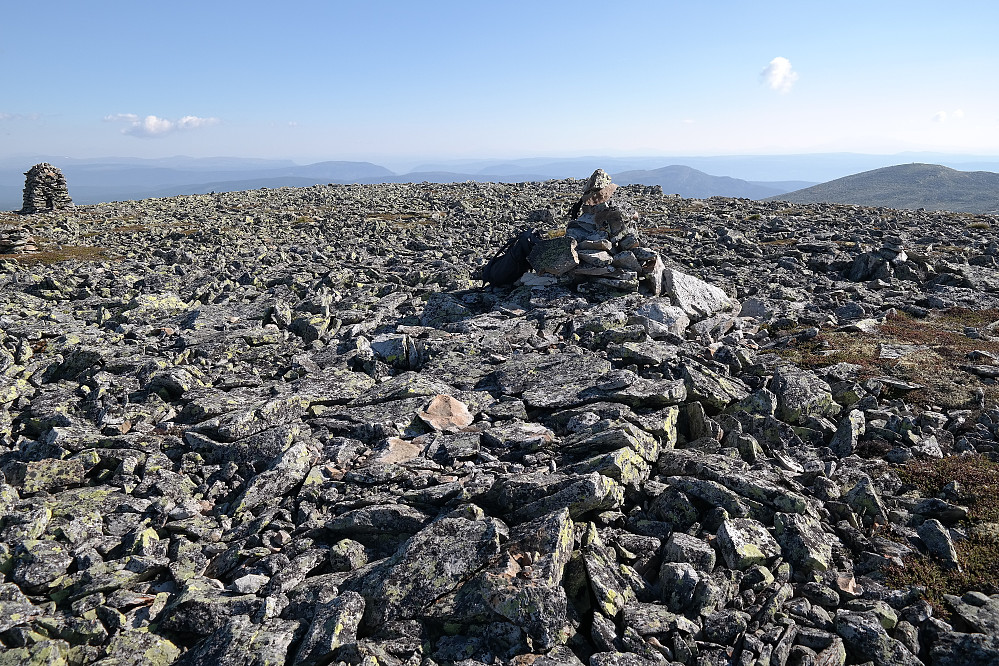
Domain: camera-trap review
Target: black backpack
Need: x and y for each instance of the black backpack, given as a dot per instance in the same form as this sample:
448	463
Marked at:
510	262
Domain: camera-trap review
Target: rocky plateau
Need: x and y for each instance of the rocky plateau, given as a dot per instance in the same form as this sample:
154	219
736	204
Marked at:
290	426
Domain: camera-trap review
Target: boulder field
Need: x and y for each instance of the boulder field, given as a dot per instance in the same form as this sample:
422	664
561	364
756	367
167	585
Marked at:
289	426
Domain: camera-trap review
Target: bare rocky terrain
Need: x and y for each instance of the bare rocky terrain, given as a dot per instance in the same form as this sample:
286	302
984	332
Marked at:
289	427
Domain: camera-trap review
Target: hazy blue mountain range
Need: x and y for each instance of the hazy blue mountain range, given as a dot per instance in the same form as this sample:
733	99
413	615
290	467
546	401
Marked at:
751	176
687	182
812	167
912	186
115	179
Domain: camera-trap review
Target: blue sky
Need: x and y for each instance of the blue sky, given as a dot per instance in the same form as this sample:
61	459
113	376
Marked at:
395	81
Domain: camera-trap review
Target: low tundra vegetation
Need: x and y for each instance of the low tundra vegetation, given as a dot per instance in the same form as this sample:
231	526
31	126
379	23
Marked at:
976	482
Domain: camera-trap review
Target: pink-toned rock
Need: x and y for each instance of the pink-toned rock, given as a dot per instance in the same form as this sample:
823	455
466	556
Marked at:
599	196
397	450
445	413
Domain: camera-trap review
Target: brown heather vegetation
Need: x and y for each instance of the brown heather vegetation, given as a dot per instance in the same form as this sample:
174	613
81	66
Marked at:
978	554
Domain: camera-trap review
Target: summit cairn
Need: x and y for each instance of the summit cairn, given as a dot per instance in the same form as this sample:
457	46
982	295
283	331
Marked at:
601	244
45	189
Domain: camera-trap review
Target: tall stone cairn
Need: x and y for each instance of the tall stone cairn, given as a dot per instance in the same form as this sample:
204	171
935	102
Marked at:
45	189
601	244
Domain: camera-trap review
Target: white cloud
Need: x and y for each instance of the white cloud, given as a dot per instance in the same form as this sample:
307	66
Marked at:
944	116
779	75
152	126
18	116
193	122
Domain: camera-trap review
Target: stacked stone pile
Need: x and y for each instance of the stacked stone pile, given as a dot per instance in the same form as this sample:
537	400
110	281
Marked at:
45	189
16	240
286	427
601	245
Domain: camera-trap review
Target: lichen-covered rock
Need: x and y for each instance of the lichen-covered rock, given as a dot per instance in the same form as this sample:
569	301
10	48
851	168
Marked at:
335	624
694	296
202	608
744	542
938	541
379	519
803	542
554	256
45	475
959	649
39	562
436	560
685	548
865	638
712	389
528	591
611	591
531	496
801	393
851	428
140	648
979	611
865	499
241	642
288	470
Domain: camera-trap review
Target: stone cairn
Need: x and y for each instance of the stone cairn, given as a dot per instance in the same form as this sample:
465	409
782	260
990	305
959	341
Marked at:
45	189
600	245
16	240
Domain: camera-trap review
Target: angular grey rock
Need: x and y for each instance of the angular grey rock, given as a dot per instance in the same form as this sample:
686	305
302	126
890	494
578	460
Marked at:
803	542
851	428
397	349
554	256
694	296
335	624
867	639
937	539
379	519
685	548
710	388
531	496
241	643
669	318
801	393
436	560
744	542
958	649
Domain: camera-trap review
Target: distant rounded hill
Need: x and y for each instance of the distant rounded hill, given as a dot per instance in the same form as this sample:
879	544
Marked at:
912	186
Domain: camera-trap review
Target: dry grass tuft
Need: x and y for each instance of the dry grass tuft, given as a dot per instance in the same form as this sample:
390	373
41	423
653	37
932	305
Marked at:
53	256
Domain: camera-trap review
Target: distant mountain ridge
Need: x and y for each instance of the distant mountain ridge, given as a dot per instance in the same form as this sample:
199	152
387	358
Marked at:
113	179
116	179
691	183
912	186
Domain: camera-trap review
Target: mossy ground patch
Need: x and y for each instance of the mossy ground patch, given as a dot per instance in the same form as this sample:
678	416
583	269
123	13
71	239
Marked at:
978	554
936	365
